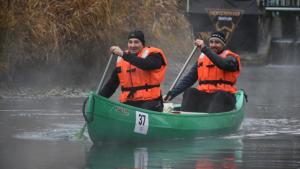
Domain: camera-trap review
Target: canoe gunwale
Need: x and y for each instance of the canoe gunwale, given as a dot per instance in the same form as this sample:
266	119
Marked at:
188	114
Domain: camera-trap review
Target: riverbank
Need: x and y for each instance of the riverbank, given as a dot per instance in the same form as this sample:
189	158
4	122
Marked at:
63	86
39	92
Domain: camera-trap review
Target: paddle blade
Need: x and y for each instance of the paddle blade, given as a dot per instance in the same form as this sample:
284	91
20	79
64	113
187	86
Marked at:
79	135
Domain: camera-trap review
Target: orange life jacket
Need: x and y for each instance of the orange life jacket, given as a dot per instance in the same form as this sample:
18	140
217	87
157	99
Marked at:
137	84
211	78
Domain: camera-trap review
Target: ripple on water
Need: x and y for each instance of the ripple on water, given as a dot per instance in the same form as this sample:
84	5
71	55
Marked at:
63	132
265	127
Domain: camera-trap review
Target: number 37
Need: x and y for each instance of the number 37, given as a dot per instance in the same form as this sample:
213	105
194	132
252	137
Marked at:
142	119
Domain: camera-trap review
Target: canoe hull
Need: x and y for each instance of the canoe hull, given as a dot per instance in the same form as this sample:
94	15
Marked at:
110	121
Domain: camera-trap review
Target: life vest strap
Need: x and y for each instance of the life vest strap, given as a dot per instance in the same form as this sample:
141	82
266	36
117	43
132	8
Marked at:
215	82
136	88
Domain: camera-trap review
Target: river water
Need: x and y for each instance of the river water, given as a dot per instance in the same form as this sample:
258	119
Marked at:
38	133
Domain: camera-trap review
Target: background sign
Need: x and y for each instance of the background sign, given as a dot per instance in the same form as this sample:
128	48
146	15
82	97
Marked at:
224	20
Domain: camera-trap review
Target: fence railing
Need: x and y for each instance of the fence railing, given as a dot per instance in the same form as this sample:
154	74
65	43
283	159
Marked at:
282	3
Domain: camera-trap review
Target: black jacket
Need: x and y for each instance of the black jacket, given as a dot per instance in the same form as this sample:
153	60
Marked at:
228	64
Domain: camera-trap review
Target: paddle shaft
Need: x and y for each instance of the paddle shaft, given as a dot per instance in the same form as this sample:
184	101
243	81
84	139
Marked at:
183	68
81	131
79	134
104	74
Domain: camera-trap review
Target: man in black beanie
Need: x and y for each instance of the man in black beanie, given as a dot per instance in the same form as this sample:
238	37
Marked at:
139	71
138	35
216	71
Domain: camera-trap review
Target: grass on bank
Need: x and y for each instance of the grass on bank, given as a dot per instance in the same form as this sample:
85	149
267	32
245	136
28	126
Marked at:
39	34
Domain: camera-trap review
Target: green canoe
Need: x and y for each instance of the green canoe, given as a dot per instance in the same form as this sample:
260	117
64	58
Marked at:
110	121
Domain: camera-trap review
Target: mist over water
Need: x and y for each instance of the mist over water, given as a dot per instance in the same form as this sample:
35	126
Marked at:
39	132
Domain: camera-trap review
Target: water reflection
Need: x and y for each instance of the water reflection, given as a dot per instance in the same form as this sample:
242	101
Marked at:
197	154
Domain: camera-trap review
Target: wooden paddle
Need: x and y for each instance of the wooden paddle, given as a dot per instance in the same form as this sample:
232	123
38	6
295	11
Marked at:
181	71
78	135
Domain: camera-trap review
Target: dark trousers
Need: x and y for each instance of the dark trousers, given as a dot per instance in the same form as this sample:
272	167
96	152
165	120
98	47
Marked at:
154	105
199	101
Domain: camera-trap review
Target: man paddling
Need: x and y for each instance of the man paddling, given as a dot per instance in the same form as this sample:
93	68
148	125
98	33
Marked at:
216	71
139	71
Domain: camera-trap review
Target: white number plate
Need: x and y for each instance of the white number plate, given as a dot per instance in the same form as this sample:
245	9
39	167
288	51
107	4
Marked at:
141	122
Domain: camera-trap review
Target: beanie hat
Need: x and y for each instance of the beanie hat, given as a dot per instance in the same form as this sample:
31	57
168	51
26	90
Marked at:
138	35
218	35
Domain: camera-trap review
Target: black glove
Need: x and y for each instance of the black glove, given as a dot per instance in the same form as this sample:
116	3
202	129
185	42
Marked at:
168	97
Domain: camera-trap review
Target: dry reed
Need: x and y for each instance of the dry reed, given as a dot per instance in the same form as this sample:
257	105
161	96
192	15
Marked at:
44	30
